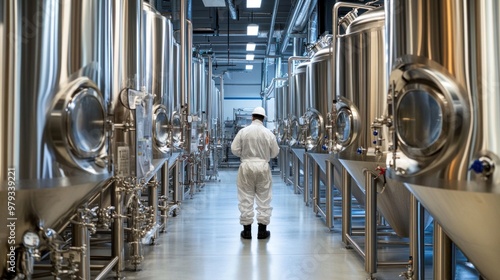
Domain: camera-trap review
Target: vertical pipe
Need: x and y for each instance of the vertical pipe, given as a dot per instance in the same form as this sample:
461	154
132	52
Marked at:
371	223
297	46
118	234
443	260
296	169
271	28
421	242
287	163
312	30
164	194
221	105
81	239
416	238
183	54
177	192
315	185
306	179
329	194
265	71
219	127
281	164
346	205
153	202
211	99
189	83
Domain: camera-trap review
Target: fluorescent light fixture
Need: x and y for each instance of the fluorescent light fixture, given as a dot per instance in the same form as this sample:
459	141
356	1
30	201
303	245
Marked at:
214	3
250	47
250	56
253	3
249	67
252	29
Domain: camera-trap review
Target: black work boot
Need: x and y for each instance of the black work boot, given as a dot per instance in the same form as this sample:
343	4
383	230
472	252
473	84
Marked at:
263	233
246	233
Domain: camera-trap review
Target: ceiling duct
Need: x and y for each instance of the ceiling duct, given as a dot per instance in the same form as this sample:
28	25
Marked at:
271	28
304	15
232	9
301	11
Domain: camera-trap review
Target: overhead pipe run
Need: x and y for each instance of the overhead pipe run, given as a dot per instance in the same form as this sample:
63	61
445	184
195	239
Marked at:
271	28
304	15
232	9
301	11
312	29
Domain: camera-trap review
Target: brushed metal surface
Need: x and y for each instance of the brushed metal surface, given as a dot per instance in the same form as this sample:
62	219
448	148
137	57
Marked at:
451	46
470	219
299	84
360	82
362	92
58	59
157	57
393	199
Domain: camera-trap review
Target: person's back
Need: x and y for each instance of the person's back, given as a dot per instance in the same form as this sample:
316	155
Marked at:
255	145
255	142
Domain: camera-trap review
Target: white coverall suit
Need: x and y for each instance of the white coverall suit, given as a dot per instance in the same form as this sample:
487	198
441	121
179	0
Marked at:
255	145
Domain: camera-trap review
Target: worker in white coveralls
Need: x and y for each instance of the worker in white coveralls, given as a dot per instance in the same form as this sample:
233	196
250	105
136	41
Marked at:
255	145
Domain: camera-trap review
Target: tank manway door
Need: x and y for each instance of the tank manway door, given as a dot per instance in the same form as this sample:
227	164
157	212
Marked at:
430	114
314	129
77	126
161	129
176	123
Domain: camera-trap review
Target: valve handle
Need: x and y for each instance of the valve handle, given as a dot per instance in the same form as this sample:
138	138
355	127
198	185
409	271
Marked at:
477	166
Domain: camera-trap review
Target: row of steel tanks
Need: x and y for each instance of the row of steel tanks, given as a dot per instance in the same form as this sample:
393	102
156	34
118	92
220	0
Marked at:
401	98
96	129
54	111
310	82
443	95
359	131
416	95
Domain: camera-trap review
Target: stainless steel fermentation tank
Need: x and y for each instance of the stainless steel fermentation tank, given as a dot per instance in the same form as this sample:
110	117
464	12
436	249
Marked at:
198	105
319	99
444	94
361	100
298	88
53	111
157	58
281	111
127	75
175	105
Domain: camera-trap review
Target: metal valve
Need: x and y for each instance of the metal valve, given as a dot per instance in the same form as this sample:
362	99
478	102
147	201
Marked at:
360	150
483	166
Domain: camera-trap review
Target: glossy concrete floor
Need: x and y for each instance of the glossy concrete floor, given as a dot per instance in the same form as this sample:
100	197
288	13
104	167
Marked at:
203	242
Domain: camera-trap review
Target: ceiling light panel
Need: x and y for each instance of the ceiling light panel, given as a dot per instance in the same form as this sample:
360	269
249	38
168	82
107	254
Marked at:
214	3
252	29
250	56
253	3
251	47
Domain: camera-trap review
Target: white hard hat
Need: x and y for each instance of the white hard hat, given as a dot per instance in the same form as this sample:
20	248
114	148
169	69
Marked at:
259	111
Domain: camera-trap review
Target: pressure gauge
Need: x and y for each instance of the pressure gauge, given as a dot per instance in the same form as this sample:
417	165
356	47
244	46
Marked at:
31	239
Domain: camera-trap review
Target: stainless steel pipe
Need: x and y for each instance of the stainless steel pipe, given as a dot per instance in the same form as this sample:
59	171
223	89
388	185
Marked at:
329	193
346	205
306	180
443	254
371	223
